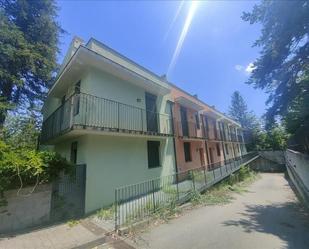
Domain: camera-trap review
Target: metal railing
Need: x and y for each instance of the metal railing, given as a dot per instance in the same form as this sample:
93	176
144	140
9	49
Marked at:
138	201
188	130
86	110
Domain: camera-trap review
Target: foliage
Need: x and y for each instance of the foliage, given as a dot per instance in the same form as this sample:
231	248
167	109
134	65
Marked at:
256	137
283	66
106	213
21	131
21	167
239	111
73	223
222	193
29	36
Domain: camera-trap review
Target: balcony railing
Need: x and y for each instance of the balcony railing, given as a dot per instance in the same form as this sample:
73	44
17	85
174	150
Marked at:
188	130
84	110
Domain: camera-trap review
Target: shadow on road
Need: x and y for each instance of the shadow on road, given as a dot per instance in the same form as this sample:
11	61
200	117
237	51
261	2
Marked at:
288	221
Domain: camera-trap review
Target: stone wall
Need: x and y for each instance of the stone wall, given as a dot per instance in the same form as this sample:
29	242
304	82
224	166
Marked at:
19	211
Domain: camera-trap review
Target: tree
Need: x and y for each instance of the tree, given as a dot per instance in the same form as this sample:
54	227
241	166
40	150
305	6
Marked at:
283	66
29	36
239	111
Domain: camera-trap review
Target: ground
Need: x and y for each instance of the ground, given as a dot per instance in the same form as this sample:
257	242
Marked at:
268	215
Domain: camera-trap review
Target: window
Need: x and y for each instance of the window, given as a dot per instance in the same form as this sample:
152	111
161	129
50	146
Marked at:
153	150
187	151
73	157
218	149
197	121
226	149
76	98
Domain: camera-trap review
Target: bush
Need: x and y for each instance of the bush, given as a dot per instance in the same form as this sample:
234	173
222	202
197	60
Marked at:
20	167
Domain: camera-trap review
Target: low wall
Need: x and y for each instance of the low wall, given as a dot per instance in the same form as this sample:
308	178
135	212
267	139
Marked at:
25	210
265	165
276	156
298	168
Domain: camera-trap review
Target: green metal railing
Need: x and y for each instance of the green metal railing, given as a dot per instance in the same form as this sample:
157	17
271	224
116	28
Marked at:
85	110
138	201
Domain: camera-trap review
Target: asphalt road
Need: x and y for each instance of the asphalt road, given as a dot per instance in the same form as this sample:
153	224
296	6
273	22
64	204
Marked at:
268	215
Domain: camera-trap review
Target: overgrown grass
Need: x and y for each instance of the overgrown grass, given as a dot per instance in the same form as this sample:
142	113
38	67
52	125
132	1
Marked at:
72	223
219	194
106	213
222	193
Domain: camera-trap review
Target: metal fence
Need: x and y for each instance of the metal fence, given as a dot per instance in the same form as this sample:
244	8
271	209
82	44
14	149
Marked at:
138	201
85	110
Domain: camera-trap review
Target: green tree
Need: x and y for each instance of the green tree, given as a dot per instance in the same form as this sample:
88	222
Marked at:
29	36
283	66
239	111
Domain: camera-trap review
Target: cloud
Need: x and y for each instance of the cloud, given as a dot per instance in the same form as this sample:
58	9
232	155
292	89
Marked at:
245	69
250	68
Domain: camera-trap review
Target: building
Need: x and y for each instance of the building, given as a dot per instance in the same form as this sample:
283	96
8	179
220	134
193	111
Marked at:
203	136
127	124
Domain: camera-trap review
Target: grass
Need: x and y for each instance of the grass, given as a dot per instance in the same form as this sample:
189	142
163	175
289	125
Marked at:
222	193
72	223
106	213
219	194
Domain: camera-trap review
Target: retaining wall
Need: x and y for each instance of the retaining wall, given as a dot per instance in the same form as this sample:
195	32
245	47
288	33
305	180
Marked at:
19	211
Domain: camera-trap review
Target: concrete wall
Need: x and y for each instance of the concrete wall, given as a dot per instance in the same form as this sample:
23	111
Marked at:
264	165
300	164
113	161
25	210
276	156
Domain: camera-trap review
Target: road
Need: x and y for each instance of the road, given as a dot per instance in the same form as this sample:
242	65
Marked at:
268	215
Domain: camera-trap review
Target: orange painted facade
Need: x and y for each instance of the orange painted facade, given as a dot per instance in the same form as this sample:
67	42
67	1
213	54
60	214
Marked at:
203	136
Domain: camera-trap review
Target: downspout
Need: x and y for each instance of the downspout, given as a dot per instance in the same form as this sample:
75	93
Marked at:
205	129
173	131
222	137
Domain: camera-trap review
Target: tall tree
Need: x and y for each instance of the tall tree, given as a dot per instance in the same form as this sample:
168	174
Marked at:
283	66
29	36
252	129
239	111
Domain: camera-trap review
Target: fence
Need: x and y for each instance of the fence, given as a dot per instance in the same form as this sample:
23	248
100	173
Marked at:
138	201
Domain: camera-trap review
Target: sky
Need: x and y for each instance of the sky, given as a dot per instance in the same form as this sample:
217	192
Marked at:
203	47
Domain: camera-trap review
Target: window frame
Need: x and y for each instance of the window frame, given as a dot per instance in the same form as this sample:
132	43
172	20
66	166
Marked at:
73	152
218	149
151	144
187	151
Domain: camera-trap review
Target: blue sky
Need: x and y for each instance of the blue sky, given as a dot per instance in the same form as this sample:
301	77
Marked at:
215	56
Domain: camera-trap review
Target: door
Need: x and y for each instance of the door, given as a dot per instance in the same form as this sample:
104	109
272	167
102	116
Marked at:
68	195
184	121
211	156
202	156
151	112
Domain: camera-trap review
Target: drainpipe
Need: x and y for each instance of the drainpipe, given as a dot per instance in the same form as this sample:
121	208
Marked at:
222	137
173	131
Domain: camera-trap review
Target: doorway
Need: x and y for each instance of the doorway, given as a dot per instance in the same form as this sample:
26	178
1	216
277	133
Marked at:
202	158
184	121
151	112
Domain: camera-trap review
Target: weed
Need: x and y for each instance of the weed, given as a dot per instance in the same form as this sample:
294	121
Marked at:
72	223
106	213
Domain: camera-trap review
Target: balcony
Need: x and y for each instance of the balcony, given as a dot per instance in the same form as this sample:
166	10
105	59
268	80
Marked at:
84	111
188	129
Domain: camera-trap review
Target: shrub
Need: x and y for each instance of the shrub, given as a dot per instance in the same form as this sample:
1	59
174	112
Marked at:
20	167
